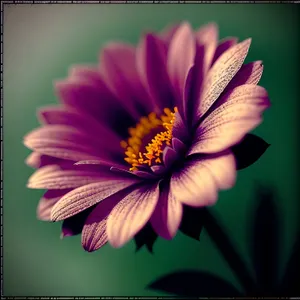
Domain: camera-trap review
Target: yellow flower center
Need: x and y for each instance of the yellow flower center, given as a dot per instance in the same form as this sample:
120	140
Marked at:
148	139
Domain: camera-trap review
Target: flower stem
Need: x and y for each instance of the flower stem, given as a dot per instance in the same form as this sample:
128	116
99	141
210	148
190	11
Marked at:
229	252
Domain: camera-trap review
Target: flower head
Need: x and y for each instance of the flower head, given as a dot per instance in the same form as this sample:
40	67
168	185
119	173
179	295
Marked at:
147	131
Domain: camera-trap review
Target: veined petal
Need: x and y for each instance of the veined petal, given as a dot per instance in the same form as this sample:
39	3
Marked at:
229	123
208	37
94	233
55	177
47	202
131	214
223	46
167	215
118	66
64	142
198	182
151	63
181	58
57	115
221	73
93	98
86	196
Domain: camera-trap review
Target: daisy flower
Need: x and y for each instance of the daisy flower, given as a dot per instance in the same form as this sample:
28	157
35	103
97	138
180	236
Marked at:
148	130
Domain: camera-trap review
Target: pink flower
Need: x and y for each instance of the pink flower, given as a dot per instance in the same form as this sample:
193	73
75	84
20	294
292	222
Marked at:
147	131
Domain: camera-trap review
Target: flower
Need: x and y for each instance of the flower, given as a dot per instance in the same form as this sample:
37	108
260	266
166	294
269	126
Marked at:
146	132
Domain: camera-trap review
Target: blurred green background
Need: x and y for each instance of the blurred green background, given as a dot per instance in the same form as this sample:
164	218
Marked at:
40	44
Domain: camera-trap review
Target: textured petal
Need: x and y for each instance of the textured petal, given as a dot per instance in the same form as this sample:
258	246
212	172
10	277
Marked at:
167	215
181	58
221	74
198	182
94	233
223	46
79	120
208	37
37	160
93	98
141	174
56	177
229	123
74	225
63	142
47	202
118	66
169	156
87	196
131	214
248	74
104	163
151	63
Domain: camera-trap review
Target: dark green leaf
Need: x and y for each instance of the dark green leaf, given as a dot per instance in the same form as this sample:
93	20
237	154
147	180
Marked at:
192	222
147	236
194	284
290	284
265	243
249	150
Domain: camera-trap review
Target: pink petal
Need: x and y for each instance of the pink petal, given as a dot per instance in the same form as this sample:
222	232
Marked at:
131	214
208	36
118	66
87	196
168	33
55	177
37	160
66	116
47	202
93	98
151	64
94	233
221	74
181	58
197	184
104	163
223	46
229	123
167	215
248	74
63	142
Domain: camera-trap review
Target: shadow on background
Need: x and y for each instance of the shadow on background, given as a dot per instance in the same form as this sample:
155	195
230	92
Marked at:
264	248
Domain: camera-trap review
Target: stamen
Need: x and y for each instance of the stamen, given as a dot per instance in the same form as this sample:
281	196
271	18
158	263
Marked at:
151	153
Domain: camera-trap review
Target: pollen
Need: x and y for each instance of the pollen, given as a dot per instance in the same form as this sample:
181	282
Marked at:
148	139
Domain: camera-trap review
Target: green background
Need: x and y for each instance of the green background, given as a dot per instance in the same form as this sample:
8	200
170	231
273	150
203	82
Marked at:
40	44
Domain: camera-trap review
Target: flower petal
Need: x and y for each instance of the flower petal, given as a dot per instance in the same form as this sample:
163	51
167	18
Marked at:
181	58
208	36
167	215
86	196
63	142
96	100
229	123
168	33
57	177
248	74
223	46
131	214
151	63
198	182
118	66
94	233
37	160
221	74
169	156
47	202
66	116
